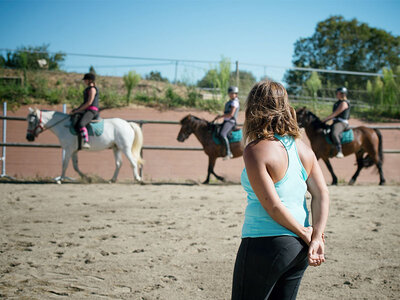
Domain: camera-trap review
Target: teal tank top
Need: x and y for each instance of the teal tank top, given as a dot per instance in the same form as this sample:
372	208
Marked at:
291	190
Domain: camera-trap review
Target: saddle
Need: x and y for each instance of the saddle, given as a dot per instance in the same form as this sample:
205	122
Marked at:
346	136
95	127
234	136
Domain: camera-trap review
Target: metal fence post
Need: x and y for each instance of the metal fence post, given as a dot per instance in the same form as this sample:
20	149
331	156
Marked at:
3	157
64	111
141	153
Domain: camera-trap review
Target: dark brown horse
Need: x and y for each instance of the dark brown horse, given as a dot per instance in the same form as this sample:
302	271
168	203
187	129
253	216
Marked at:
366	141
203	130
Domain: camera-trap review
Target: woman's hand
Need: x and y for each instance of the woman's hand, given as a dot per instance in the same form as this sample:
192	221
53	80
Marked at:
307	235
316	252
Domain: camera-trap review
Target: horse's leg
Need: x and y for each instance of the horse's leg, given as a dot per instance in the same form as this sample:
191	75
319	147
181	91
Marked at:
67	157
118	163
75	164
128	154
211	164
381	178
379	158
360	165
330	169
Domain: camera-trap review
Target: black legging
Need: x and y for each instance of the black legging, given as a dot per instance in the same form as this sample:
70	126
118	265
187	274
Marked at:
86	118
269	268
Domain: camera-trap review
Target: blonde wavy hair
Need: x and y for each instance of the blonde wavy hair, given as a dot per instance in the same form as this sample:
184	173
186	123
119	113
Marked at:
268	112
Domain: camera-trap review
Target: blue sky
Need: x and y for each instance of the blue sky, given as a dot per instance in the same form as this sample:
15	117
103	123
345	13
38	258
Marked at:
251	32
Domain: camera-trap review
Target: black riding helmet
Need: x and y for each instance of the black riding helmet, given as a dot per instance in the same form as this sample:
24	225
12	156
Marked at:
342	89
89	76
233	89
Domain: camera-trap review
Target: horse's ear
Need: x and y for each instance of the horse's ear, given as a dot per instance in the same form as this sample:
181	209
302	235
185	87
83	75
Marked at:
30	110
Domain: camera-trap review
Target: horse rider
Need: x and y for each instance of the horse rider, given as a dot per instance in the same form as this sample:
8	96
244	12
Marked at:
340	115
231	111
88	110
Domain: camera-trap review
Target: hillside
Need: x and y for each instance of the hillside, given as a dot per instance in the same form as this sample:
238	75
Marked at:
56	87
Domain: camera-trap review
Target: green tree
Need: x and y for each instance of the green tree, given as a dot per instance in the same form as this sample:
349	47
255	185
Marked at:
313	84
246	80
131	80
156	76
211	78
92	70
384	92
338	44
32	58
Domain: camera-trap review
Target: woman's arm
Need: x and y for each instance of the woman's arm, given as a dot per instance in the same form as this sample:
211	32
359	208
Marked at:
319	210
263	186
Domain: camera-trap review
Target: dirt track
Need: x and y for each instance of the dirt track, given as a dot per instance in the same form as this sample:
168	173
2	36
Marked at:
165	165
170	241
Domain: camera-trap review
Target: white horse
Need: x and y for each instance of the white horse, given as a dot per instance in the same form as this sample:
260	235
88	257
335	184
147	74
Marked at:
118	134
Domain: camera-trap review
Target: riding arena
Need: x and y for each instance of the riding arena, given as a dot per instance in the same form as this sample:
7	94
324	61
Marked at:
172	237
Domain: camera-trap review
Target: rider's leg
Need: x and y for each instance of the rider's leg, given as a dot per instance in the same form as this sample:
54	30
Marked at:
336	131
226	127
83	122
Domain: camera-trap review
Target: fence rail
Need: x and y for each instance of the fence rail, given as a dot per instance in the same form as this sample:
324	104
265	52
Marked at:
141	122
4	144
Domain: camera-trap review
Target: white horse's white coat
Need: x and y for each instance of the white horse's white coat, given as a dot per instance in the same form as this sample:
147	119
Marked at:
119	135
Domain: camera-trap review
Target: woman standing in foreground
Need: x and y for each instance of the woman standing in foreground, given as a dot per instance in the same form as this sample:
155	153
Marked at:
277	241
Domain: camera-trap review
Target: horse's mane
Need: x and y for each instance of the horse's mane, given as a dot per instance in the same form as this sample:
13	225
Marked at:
315	121
195	121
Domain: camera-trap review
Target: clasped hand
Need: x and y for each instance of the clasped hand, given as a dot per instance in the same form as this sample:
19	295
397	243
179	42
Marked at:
316	247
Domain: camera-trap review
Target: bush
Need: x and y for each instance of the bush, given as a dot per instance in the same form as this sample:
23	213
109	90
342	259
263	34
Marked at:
111	99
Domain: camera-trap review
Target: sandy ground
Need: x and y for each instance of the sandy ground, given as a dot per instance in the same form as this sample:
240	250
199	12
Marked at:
169	166
169	241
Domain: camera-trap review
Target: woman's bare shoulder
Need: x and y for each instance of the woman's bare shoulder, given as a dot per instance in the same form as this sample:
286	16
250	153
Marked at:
306	155
261	149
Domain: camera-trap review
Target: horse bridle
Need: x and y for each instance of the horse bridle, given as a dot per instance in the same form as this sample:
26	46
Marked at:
42	127
38	125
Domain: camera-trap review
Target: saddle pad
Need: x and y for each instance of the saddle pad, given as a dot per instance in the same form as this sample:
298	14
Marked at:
94	128
233	137
347	137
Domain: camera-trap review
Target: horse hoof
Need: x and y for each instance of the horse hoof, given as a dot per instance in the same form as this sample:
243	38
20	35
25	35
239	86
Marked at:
351	182
205	182
382	183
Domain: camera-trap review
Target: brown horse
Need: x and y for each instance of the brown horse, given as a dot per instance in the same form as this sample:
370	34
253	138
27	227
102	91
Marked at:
366	140
203	130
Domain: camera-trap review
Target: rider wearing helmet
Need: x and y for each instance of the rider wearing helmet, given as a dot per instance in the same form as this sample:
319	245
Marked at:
88	110
340	115
231	111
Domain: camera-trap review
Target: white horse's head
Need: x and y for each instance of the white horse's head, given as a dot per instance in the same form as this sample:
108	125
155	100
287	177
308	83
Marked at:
35	124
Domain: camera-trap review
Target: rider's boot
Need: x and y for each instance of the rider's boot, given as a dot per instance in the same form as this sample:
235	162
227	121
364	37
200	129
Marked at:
85	138
228	149
340	153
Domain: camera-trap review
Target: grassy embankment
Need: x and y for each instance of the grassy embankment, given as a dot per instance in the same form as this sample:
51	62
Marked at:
56	87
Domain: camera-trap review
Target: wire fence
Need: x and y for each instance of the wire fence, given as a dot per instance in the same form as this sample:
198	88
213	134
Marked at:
4	144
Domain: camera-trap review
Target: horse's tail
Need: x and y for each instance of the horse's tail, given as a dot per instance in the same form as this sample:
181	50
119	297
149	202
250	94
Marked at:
137	142
368	160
